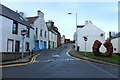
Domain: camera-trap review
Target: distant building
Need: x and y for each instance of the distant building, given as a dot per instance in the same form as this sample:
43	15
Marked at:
92	33
74	36
58	36
40	31
12	24
63	39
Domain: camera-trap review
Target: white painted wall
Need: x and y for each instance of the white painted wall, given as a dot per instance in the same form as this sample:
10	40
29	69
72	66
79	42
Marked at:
62	39
7	34
53	38
116	43
41	25
0	33
93	33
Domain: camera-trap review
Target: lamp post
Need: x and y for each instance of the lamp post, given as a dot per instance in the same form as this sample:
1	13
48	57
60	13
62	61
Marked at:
76	28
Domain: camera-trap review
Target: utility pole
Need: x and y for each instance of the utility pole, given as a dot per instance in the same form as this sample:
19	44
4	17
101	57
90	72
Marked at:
76	28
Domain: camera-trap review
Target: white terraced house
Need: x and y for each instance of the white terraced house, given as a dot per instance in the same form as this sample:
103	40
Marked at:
10	37
40	31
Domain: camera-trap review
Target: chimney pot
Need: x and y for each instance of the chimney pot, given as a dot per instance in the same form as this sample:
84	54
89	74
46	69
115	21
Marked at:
86	22
38	12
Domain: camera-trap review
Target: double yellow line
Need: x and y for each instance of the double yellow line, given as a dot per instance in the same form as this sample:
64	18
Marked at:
30	62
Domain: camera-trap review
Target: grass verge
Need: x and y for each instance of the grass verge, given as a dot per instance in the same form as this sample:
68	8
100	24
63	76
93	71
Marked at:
113	59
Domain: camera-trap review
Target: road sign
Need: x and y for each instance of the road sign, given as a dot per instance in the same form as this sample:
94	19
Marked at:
23	32
85	38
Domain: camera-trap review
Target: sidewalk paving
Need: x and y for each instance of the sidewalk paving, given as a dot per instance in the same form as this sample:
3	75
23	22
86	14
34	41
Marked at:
75	54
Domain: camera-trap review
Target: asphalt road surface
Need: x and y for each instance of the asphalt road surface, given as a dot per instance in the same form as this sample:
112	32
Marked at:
57	64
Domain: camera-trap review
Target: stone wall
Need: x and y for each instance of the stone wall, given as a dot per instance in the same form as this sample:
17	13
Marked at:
9	56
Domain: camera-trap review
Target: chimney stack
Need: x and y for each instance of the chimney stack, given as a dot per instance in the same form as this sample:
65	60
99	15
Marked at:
86	22
38	12
90	22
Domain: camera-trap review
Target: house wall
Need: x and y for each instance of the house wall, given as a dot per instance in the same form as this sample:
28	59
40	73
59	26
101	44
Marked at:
116	43
41	25
7	34
58	39
92	33
62	40
1	33
52	40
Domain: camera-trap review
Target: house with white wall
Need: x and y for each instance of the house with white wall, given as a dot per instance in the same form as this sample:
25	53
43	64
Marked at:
116	43
63	39
11	25
92	32
52	35
40	31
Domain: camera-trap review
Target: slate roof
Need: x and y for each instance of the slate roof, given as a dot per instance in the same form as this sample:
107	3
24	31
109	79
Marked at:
80	26
6	12
31	20
116	36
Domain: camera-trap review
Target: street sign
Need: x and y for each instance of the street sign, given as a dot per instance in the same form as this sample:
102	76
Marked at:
23	32
85	38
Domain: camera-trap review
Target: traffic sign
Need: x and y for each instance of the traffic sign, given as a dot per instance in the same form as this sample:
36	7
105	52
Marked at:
23	32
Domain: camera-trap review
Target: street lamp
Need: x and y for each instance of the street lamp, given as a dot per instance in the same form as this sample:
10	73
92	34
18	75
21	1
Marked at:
76	27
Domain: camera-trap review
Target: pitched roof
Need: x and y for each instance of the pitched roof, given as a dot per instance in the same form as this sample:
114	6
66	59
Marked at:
116	36
31	20
80	26
6	12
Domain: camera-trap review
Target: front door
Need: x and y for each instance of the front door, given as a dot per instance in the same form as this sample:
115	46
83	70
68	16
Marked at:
10	45
17	46
45	45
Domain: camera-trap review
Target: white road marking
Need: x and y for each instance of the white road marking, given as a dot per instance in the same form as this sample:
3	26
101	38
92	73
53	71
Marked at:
93	65
56	56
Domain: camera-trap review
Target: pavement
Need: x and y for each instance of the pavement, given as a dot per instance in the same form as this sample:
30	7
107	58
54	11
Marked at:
74	53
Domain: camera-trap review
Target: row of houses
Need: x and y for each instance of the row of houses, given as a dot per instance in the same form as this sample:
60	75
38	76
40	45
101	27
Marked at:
91	32
40	34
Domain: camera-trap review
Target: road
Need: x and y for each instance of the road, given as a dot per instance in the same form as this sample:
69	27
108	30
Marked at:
57	64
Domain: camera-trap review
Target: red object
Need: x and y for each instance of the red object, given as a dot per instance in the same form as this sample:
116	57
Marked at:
85	38
23	32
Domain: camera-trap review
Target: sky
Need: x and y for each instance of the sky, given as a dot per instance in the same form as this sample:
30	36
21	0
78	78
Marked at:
102	14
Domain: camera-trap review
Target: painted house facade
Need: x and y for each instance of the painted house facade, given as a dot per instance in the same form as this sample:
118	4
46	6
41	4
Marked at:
52	35
63	39
116	43
92	33
58	36
40	31
11	25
